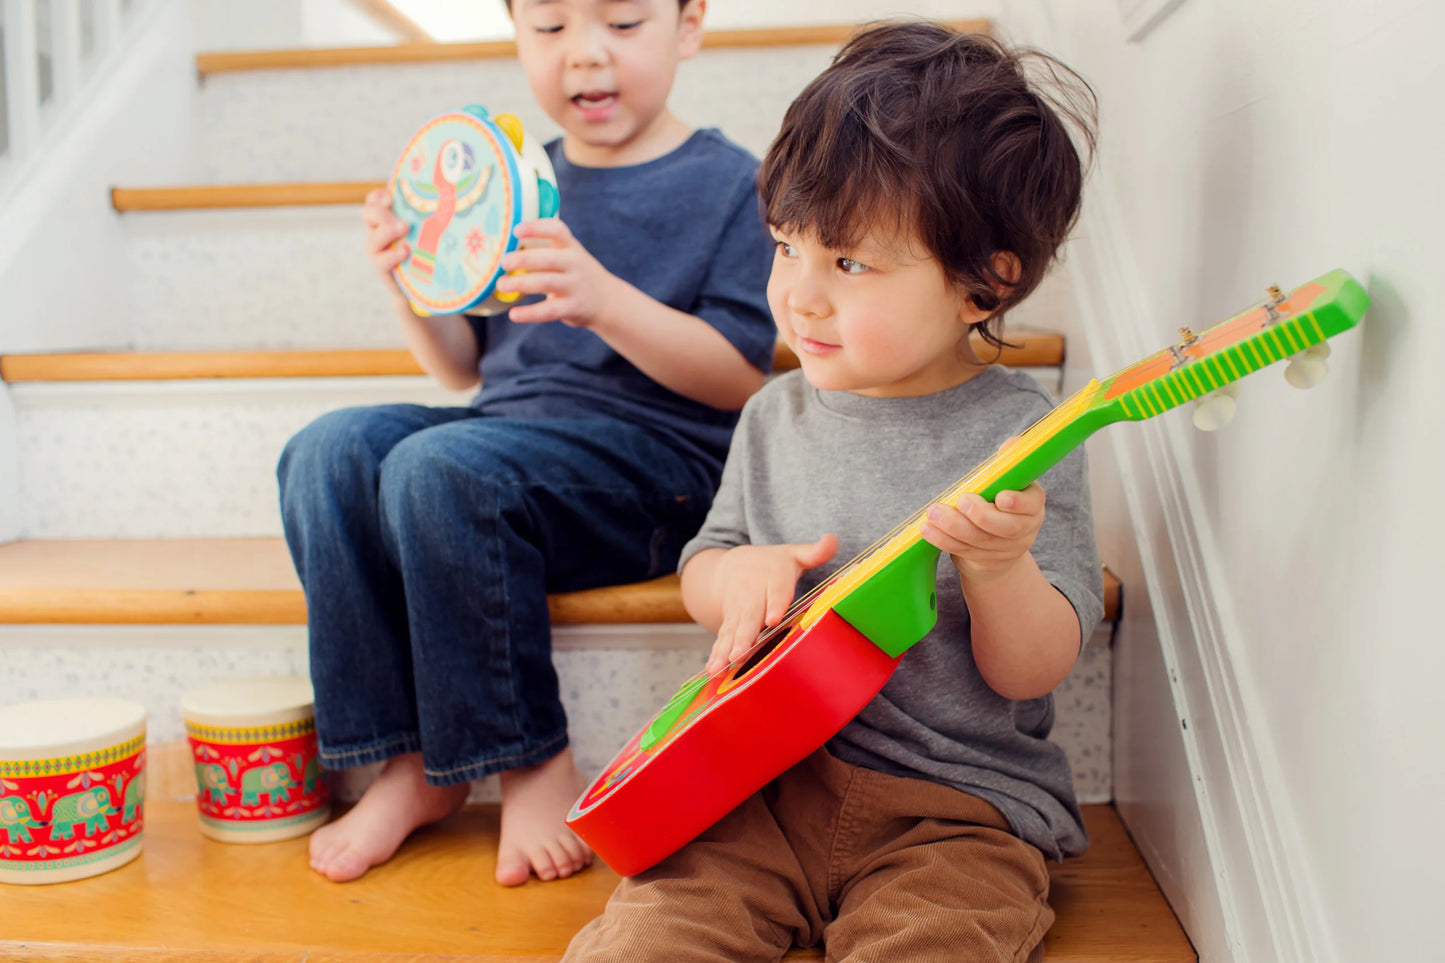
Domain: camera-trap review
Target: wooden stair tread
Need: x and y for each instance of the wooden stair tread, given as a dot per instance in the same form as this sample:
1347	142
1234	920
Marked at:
228	61
247	581
1031	349
190	898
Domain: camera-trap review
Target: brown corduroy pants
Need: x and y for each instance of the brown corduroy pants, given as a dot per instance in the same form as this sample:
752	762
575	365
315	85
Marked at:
876	867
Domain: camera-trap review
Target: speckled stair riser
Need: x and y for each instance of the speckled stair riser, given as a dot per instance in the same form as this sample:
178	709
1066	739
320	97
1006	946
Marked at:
262	126
609	692
257	278
174	459
297	277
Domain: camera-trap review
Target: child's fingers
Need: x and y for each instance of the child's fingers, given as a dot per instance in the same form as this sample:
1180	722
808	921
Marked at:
811	556
552	309
383	235
779	597
533	282
1030	501
538	259
549	228
388	259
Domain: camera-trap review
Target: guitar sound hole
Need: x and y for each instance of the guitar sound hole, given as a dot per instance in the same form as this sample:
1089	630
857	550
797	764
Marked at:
762	652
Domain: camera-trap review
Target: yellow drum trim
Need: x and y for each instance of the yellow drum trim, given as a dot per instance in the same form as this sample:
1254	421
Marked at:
30	768
238	736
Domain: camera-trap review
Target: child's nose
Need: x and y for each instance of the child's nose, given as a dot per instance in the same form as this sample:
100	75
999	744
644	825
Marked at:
588	47
807	296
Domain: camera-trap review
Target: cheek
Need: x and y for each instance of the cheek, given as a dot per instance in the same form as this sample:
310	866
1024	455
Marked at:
777	297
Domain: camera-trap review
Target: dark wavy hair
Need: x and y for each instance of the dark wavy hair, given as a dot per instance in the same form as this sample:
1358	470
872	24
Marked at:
918	130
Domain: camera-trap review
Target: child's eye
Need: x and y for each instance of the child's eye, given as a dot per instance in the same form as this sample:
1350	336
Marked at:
849	266
624	27
785	249
553	29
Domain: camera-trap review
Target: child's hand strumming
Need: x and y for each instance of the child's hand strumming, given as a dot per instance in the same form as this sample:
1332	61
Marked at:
986	540
756	584
575	284
385	247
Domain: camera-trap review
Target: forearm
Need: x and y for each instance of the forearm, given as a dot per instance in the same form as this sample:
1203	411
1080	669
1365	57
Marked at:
679	351
444	345
1025	632
699	588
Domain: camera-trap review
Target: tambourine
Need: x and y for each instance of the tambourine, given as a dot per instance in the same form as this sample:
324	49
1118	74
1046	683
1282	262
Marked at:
464	181
72	788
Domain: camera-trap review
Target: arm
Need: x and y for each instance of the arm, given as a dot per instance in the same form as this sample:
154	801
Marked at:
1025	632
677	350
444	345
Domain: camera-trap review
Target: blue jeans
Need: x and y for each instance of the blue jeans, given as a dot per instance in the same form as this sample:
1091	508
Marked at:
427	540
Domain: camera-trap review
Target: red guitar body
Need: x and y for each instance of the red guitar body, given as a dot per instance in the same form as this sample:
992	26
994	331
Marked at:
724	742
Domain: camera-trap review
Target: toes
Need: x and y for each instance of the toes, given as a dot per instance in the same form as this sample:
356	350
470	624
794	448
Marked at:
577	855
512	869
346	866
543	864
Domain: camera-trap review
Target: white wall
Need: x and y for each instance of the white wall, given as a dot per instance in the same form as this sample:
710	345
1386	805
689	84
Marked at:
60	264
1246	143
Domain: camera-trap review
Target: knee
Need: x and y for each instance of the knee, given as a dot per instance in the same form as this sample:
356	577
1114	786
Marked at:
428	478
330	453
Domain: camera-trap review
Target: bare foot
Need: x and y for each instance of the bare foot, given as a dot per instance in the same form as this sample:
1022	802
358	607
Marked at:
535	837
398	802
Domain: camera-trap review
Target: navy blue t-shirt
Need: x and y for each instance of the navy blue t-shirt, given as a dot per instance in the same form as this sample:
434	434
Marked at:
683	228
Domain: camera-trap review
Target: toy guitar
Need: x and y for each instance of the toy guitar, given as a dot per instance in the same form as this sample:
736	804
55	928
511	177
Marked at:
463	182
724	736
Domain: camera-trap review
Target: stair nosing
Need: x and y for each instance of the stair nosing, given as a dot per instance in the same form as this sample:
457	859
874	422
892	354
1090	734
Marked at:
268	593
212	63
1037	349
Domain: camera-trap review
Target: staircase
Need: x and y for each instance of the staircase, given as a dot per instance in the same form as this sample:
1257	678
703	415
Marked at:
150	559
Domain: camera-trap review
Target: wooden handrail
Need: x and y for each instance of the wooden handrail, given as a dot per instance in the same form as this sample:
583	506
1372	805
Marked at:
1030	349
388	17
220	62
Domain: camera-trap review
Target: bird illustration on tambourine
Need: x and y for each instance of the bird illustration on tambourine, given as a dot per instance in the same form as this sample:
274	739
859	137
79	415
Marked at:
457	184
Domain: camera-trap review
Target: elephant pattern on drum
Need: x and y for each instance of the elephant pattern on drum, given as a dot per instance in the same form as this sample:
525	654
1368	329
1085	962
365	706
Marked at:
69	812
248	778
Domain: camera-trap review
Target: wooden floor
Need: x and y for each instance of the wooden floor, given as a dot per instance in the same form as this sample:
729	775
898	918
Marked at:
189	898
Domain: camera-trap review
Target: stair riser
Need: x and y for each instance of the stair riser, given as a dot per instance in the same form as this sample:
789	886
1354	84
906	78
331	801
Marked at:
258	278
174	459
612	679
267	126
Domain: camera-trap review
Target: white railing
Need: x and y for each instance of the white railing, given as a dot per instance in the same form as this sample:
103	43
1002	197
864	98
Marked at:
53	53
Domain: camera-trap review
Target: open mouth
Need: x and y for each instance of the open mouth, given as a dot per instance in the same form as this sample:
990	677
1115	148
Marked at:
595	103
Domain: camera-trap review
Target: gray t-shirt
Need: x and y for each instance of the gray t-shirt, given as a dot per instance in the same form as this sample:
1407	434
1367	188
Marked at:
804	462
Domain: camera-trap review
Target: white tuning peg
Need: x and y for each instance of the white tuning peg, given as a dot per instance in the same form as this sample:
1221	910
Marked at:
1215	410
1308	368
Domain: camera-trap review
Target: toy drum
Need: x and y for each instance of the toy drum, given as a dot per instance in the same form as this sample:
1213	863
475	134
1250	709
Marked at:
258	772
463	182
72	788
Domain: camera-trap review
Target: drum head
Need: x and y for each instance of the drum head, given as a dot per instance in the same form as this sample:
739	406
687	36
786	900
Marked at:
65	727
460	187
271	700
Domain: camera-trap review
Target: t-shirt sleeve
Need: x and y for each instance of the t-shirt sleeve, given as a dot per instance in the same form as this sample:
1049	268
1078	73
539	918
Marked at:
726	525
1065	550
733	298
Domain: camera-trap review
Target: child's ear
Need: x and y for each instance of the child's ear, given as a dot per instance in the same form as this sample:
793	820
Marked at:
1007	268
689	28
